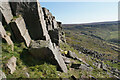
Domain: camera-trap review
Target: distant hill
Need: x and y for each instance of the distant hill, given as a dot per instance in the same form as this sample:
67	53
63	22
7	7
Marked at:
101	37
107	31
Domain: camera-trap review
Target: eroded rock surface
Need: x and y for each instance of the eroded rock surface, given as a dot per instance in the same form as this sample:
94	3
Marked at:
11	65
5	36
20	32
6	11
34	18
45	50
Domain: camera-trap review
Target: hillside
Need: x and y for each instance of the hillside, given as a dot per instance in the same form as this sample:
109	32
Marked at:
96	38
107	31
34	45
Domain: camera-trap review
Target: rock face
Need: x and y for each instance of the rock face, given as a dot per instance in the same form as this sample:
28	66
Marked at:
2	75
20	32
5	36
44	50
54	28
6	11
28	22
11	65
34	19
54	35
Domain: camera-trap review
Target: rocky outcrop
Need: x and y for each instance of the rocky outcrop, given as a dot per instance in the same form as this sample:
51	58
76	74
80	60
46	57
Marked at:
28	21
44	50
5	9
20	32
34	19
11	65
54	28
4	35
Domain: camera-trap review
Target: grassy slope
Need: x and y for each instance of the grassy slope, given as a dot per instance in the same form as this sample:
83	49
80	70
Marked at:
96	37
41	69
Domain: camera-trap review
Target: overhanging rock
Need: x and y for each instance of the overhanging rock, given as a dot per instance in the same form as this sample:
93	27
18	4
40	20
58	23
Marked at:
45	50
20	32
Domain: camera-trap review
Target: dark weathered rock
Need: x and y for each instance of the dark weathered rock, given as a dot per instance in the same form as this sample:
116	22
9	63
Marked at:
48	19
71	54
54	28
2	75
6	11
34	18
81	66
76	66
11	64
45	50
54	35
5	36
20	32
84	67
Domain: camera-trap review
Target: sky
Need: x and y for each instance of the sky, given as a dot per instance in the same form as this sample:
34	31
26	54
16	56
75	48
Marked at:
83	12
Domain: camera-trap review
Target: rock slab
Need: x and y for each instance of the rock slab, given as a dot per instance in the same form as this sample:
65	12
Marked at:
45	50
6	11
20	32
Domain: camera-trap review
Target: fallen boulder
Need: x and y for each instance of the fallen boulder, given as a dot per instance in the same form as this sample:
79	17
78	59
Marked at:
45	50
81	66
11	65
71	54
66	60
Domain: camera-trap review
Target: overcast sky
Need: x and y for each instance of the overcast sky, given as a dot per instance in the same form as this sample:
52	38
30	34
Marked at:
83	12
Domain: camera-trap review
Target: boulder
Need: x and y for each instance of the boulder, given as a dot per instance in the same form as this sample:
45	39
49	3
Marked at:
34	18
84	67
81	66
27	75
11	65
66	60
2	75
45	50
99	65
6	11
104	67
5	36
71	54
76	66
20	32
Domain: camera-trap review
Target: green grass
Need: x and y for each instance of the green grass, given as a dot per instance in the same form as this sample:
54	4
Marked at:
26	63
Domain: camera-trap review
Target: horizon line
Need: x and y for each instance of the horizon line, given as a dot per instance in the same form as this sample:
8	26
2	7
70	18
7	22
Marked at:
91	22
